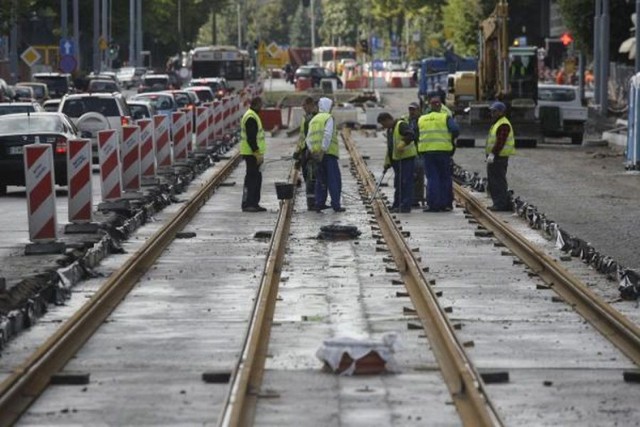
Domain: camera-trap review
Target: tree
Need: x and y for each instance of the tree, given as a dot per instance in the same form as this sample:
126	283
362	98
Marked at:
341	19
461	19
299	35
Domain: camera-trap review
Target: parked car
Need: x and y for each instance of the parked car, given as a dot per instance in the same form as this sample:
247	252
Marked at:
23	94
40	90
101	85
128	77
218	85
20	107
163	102
316	74
561	111
93	112
154	83
51	105
18	130
204	93
59	84
141	109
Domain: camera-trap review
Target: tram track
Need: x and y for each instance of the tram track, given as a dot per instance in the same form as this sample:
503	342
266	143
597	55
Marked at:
27	381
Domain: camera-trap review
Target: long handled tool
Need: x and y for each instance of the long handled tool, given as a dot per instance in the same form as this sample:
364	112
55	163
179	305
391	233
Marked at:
375	192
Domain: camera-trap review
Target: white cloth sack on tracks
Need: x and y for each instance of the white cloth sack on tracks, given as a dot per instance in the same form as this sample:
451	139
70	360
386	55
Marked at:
332	351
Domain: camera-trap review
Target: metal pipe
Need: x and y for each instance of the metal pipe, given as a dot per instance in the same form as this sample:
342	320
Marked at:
13	43
64	18
604	65
581	68
132	34
103	34
76	32
312	11
596	51
138	33
240	26
96	35
637	64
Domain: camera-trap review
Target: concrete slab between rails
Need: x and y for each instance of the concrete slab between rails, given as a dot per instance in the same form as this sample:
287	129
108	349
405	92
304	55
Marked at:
82	228
43	248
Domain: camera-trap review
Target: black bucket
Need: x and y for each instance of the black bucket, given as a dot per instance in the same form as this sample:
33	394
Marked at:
284	190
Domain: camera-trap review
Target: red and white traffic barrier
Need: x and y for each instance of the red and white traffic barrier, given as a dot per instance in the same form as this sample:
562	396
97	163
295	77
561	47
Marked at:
210	129
41	198
147	149
163	142
236	113
202	117
178	127
109	157
217	121
188	128
226	110
80	196
131	158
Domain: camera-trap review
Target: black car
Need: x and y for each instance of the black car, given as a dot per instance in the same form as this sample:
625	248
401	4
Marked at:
316	74
18	130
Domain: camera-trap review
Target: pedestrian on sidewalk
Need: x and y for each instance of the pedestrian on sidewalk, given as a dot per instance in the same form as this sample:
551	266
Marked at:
322	143
252	148
500	145
301	155
437	133
401	155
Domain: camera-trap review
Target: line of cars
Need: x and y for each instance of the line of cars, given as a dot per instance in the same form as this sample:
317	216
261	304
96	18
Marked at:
82	115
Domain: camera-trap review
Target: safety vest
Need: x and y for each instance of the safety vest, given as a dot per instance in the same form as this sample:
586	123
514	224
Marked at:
410	149
316	134
245	148
434	133
302	137
509	147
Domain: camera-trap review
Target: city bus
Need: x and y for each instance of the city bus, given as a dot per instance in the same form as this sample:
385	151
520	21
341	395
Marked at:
334	58
221	61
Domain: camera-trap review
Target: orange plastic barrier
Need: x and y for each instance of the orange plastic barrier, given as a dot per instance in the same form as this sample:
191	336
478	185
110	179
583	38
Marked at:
303	83
271	118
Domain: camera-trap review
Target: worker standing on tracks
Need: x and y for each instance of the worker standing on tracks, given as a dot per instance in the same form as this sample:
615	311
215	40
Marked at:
418	170
252	148
301	155
322	143
401	155
500	145
437	133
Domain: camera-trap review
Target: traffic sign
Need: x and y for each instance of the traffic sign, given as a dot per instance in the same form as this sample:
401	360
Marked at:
67	47
102	43
68	63
273	49
30	56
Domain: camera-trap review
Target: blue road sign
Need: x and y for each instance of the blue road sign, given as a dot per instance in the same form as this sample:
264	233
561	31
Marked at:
68	64
67	47
378	65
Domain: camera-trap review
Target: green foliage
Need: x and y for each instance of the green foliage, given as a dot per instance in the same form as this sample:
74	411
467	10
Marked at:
461	19
340	22
299	35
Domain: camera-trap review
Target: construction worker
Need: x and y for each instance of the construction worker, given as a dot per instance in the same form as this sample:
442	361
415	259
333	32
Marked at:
301	155
322	143
437	132
401	154
418	170
252	149
500	145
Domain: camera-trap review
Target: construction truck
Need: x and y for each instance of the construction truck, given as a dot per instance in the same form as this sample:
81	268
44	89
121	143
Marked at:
505	73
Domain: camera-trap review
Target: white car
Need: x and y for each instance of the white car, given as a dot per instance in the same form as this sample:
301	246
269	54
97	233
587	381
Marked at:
561	111
93	112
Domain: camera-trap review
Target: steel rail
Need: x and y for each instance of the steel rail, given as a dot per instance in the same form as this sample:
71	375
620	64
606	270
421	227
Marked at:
241	400
612	324
27	381
462	379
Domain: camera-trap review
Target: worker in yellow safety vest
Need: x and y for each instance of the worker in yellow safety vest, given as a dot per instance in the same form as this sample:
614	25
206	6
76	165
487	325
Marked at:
322	143
500	145
301	154
401	154
436	143
252	149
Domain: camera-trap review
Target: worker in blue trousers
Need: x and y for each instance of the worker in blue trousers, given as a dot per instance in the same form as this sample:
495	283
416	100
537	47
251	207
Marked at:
322	143
401	154
436	142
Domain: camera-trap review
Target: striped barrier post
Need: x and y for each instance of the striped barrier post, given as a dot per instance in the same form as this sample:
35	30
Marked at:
225	114
163	142
210	122
236	121
41	198
130	158
109	157
188	124
201	128
217	121
147	150
178	127
80	198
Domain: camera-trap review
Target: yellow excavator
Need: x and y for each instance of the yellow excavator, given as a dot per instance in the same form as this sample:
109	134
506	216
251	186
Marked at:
505	73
